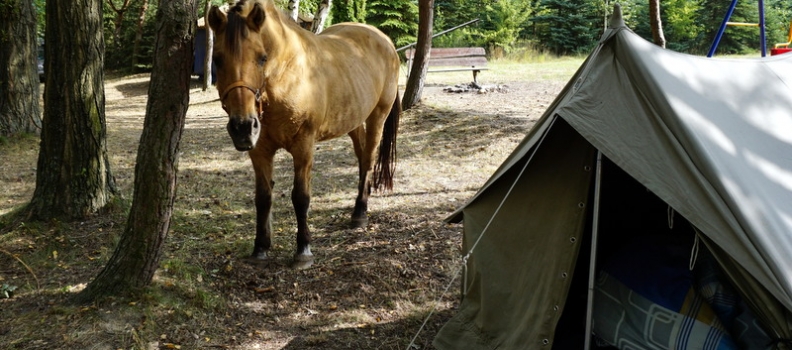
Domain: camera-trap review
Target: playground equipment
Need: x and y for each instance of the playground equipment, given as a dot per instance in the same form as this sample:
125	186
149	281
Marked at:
783	47
761	25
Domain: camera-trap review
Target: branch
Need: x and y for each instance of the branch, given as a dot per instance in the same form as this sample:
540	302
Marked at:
38	286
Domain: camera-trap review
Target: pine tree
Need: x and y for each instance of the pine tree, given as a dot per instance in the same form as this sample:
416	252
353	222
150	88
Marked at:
568	26
349	11
397	19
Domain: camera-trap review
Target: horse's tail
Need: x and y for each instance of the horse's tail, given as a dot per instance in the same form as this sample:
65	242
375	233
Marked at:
386	161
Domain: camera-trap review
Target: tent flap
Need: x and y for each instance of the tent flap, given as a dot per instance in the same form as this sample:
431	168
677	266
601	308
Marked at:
537	256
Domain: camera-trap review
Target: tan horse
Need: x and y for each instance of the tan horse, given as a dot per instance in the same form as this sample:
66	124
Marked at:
285	87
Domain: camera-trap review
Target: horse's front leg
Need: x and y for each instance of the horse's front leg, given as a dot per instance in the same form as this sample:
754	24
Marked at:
263	167
301	199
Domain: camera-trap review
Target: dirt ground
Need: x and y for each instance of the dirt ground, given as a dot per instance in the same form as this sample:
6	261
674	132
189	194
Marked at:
370	288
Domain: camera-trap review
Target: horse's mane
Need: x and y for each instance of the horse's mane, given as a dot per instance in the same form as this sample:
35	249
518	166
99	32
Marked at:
236	28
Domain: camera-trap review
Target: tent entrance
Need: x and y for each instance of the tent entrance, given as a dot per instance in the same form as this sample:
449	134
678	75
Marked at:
628	214
653	278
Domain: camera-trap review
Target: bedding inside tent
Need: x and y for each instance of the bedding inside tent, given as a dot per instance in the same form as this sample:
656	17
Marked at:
657	285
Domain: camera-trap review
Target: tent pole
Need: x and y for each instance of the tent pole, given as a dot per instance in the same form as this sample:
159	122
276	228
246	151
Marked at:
593	259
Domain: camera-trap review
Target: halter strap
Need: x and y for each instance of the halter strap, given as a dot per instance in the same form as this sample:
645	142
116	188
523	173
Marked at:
242	84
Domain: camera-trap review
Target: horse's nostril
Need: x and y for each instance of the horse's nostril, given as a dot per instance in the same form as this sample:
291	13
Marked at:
243	127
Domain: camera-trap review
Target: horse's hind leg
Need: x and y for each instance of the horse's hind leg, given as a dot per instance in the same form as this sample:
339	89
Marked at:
359	214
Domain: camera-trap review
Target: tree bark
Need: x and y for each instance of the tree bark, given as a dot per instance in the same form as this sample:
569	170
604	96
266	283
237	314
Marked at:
209	45
73	177
656	23
137	255
416	80
19	82
321	16
139	34
293	9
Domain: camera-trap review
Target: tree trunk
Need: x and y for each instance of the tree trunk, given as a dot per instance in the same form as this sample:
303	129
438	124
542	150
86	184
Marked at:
293	9
19	82
321	16
209	45
118	21
656	23
73	177
139	34
137	255
415	82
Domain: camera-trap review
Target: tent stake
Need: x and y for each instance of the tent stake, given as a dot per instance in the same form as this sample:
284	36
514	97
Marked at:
593	259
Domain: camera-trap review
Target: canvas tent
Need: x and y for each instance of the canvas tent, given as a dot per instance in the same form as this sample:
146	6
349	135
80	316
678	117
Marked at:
640	140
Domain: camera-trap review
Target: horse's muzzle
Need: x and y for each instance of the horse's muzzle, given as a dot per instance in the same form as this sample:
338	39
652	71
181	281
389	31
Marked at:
244	132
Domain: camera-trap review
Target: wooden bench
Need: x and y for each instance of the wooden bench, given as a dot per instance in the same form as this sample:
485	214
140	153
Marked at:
454	59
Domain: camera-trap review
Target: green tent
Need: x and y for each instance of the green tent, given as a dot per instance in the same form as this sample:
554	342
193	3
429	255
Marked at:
642	142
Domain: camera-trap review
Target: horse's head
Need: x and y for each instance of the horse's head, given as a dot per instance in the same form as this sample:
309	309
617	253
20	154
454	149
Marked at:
240	55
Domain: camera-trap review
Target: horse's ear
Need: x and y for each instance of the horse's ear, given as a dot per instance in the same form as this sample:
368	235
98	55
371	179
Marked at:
217	19
255	19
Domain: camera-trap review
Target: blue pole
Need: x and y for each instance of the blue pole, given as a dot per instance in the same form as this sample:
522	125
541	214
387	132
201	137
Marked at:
722	29
763	43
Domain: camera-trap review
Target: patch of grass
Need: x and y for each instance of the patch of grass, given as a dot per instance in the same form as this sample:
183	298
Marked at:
523	51
510	69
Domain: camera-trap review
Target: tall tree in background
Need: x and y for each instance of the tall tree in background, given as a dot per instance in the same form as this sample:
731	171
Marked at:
504	19
141	21
349	11
320	17
19	83
118	22
568	27
73	177
293	9
396	19
209	47
137	255
416	80
657	23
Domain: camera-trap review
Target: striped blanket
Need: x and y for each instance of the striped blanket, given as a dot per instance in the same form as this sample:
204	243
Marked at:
646	297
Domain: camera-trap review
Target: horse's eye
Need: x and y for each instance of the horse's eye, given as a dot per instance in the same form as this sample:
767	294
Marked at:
217	60
262	60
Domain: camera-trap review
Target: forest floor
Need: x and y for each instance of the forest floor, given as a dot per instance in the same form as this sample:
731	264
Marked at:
369	288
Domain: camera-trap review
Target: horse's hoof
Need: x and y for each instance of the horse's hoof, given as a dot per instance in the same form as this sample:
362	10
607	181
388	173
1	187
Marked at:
257	259
359	222
302	261
259	256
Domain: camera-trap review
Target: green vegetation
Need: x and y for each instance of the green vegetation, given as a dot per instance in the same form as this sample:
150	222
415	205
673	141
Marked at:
557	27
